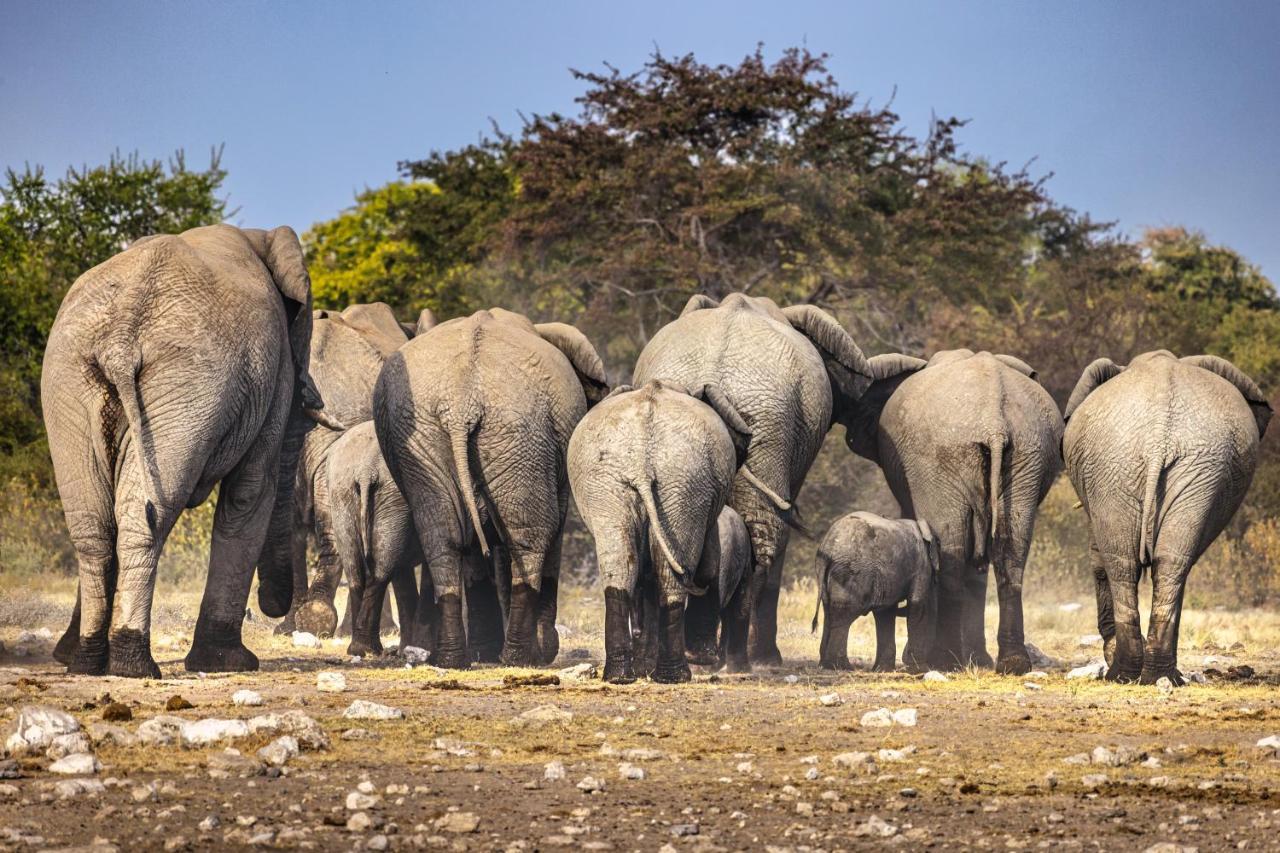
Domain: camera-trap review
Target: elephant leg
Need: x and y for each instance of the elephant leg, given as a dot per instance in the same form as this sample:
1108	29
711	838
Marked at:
618	668
886	642
94	603
1122	577
671	668
349	611
973	635
426	616
522	612
764	619
736	622
547	638
701	622
405	588
921	617
65	651
948	644
833	651
316	613
451	637
240	523
1106	609
484	621
364	633
1168	584
387	618
644	626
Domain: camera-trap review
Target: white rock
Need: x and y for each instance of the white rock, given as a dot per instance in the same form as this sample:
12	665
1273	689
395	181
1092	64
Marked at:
905	716
1121	756
580	672
280	751
830	699
889	756
546	714
209	824
1037	674
1032	686
359	822
878	719
1194	677
876	828
1070	607
71	744
934	675
210	731
162	730
246	698
591	784
1088	640
35	728
791	679
359	801
306	640
1094	780
745	767
1164	685
331	682
457	822
853	760
553	771
79	764
1090	671
1271	742
630	771
67	788
1039	659
105	733
414	655
363	709
309	733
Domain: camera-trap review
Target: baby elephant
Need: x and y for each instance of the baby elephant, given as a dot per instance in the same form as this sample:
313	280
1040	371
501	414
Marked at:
725	604
651	470
868	564
375	540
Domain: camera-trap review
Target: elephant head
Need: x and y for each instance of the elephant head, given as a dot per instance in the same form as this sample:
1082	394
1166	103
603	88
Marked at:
861	421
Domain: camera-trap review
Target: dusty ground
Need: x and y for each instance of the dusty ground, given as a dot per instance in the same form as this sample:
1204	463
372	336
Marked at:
727	762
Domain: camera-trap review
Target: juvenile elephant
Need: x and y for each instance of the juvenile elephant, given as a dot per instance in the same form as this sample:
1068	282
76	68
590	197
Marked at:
347	352
651	469
374	537
869	564
726	604
1161	453
787	371
969	442
474	418
171	368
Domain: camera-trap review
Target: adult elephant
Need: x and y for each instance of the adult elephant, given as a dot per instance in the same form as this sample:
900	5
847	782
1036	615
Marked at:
1161	453
787	371
474	419
171	368
969	443
348	349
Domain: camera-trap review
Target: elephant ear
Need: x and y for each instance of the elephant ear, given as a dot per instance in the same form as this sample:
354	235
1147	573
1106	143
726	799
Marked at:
697	302
582	355
846	365
426	322
1248	389
1018	365
1100	371
281	252
862	420
714	396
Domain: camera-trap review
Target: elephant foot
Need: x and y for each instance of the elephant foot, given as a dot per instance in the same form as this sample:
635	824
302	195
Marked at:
837	664
450	659
882	666
618	671
982	660
672	672
766	654
517	655
209	656
737	664
1013	664
944	660
1109	649
362	648
65	651
548	642
286	626
1123	674
274	601
702	654
1155	669
317	616
130	655
913	661
90	657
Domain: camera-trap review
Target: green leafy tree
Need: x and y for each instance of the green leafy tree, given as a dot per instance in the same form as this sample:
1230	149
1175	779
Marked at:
51	231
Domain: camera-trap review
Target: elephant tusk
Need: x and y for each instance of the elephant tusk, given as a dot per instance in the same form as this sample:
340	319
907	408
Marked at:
324	420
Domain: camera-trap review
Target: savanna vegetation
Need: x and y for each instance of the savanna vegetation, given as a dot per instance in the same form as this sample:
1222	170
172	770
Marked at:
685	178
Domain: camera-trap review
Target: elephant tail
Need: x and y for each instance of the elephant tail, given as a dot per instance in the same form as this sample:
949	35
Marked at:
1147	535
364	531
822	591
787	510
996	445
123	374
458	439
656	528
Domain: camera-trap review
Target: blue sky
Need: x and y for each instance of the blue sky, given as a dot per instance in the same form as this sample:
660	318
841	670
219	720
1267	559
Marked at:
1146	113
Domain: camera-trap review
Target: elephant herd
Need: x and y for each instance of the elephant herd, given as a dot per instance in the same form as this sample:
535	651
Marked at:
195	360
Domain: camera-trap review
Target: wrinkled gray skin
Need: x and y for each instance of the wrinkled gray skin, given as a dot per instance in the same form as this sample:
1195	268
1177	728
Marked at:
172	367
869	564
373	534
347	352
651	469
474	418
727	601
1161	454
968	442
788	372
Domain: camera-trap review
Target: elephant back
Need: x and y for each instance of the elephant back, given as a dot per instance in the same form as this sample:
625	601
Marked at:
345	362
